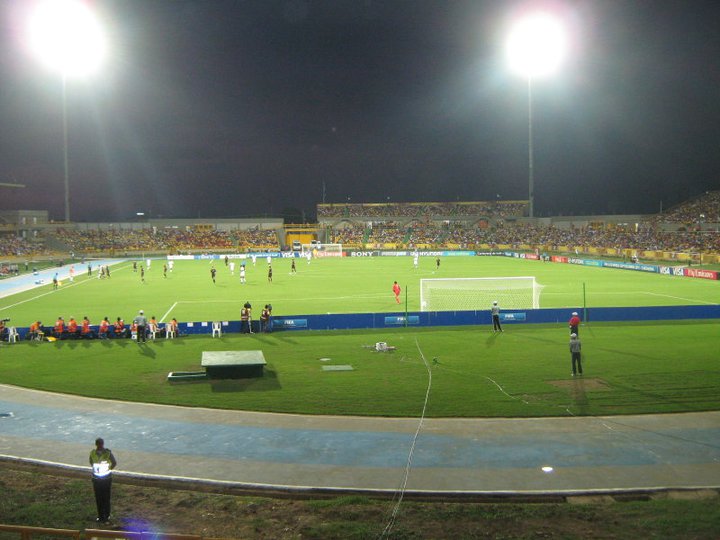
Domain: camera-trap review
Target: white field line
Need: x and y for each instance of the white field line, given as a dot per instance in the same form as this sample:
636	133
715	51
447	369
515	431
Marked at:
679	298
162	319
62	288
376	295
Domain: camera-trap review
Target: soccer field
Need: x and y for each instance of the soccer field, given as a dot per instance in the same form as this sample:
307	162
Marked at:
333	285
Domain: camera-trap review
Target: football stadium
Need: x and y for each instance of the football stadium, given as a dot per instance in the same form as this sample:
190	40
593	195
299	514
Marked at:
371	367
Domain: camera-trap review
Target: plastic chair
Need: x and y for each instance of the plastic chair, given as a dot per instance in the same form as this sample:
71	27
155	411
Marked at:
216	329
12	335
170	332
153	331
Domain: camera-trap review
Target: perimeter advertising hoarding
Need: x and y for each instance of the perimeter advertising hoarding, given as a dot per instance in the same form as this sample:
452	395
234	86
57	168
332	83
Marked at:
376	253
401	321
698	273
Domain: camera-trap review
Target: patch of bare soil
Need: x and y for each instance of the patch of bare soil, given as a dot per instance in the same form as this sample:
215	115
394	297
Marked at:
36	499
585	383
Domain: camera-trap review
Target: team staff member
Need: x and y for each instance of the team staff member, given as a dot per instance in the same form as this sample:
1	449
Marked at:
141	326
496	317
102	462
575	348
574	323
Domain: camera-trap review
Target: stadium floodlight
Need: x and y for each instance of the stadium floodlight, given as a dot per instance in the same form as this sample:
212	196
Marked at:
66	36
536	46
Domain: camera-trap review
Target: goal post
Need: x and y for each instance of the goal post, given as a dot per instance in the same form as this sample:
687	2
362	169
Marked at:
475	294
322	250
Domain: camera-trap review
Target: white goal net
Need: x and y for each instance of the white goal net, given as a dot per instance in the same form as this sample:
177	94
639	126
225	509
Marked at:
467	294
322	250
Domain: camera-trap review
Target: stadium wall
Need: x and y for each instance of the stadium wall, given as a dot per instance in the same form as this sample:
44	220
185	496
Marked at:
361	321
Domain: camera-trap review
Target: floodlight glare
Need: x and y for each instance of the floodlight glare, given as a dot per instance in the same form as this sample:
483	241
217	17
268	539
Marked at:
67	36
536	45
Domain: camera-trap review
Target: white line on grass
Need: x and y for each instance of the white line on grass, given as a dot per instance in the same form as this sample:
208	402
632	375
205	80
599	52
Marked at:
162	319
391	522
679	298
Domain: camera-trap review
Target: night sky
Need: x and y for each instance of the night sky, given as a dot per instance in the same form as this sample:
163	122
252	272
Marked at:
213	108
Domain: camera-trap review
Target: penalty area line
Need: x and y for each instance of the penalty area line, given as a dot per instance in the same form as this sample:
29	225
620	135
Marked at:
162	319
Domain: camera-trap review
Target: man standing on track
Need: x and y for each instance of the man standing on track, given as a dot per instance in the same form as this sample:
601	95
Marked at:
102	462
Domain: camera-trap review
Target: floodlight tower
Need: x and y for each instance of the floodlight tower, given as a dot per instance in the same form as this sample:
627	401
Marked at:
67	37
536	46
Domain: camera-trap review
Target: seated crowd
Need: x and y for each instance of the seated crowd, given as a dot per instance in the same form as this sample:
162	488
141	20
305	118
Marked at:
495	209
703	209
12	246
647	237
169	239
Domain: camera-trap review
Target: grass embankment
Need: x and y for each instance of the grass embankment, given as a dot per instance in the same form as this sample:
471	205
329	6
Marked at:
34	499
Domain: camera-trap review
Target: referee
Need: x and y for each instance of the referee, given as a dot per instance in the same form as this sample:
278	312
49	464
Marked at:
102	462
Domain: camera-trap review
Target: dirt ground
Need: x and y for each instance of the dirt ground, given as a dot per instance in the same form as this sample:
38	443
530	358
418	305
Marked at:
39	499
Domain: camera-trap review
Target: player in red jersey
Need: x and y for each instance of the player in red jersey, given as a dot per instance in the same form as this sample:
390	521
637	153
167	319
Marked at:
396	291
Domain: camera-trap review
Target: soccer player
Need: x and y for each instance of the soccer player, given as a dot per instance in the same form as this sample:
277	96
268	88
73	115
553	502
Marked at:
416	259
134	266
496	317
293	270
309	256
164	270
437	263
86	332
254	258
104	328
72	328
120	331
72	273
242	273
232	268
212	273
59	329
269	274
55	281
171	265
142	274
574	323
396	291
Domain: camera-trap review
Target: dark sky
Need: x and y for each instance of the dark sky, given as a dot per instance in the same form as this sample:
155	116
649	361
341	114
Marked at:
219	108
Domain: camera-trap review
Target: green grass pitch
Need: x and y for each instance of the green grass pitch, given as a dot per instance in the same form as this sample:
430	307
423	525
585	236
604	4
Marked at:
629	367
347	285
